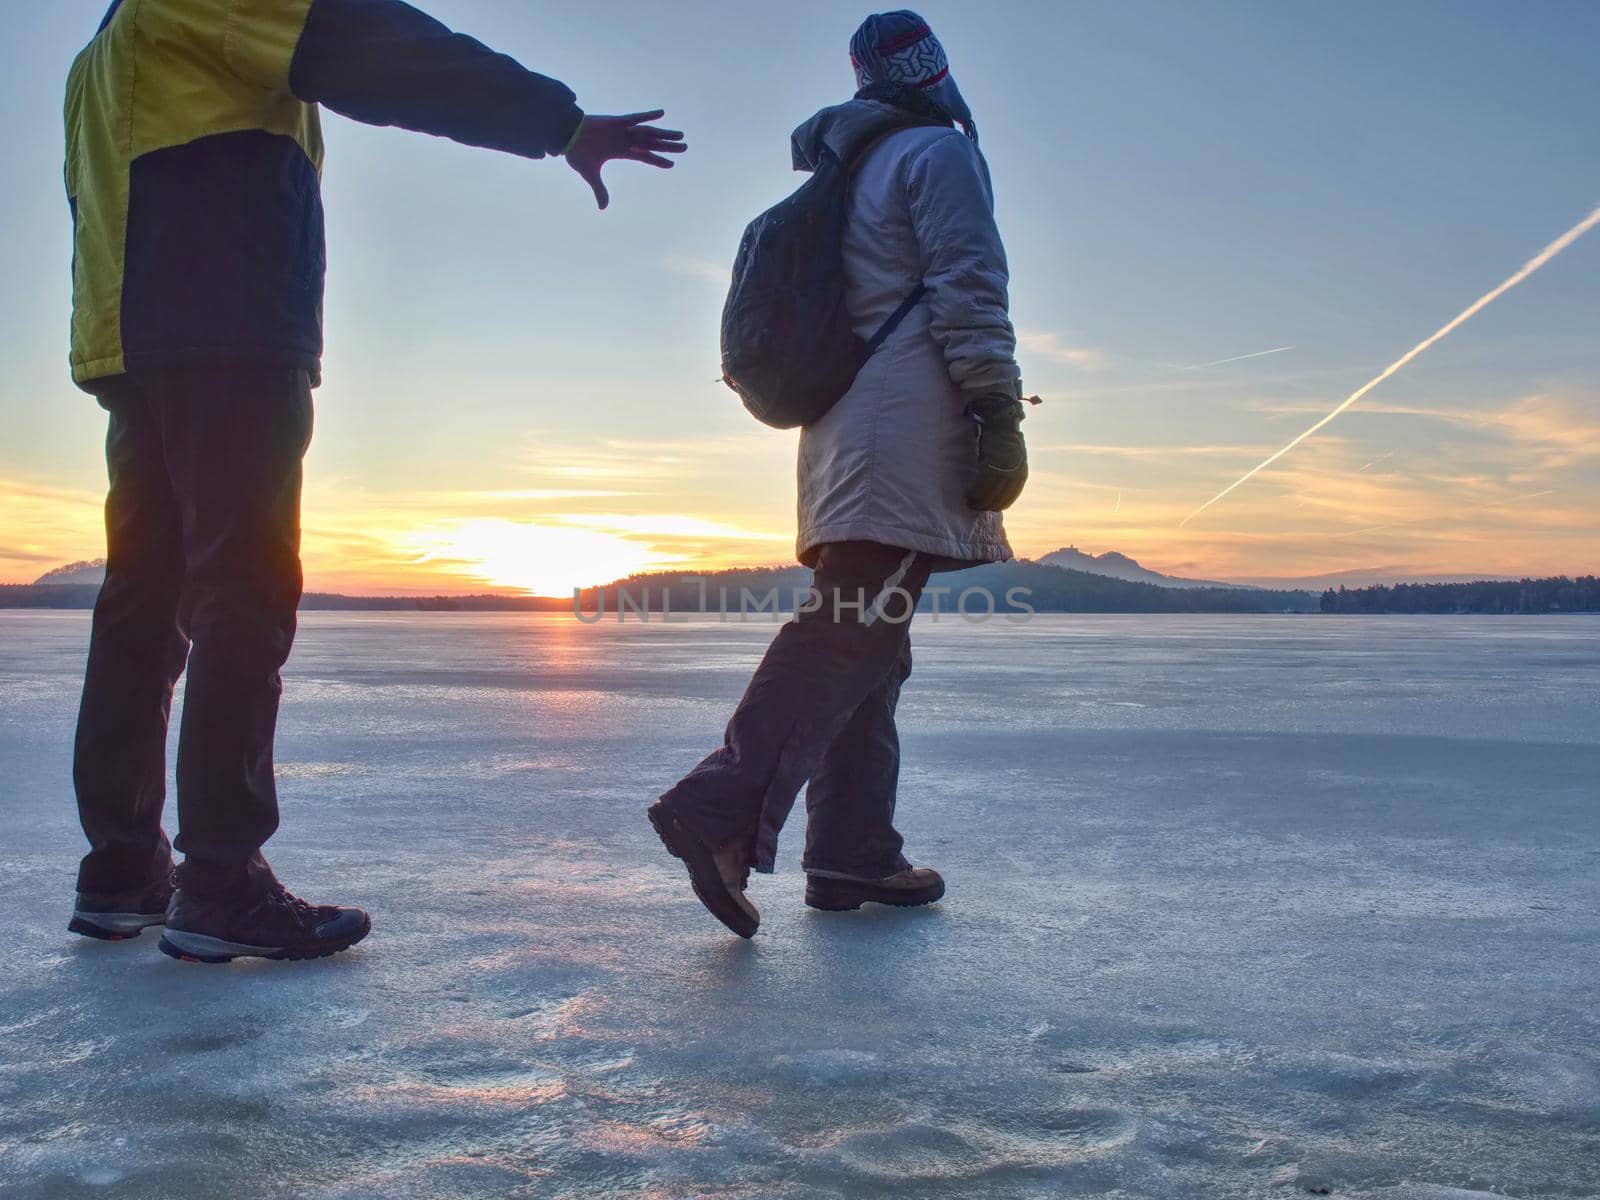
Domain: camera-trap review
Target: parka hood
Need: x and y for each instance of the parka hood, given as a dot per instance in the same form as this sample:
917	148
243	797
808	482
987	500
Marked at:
844	128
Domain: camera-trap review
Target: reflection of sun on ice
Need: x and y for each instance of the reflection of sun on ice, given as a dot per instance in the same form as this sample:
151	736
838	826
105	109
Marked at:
544	560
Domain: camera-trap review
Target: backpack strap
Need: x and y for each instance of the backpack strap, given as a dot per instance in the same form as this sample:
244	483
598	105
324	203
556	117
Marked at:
850	164
898	315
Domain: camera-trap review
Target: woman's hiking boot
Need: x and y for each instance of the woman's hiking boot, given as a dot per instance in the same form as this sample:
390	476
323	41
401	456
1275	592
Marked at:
834	892
717	876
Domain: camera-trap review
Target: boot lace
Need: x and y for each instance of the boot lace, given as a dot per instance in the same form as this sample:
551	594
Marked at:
302	912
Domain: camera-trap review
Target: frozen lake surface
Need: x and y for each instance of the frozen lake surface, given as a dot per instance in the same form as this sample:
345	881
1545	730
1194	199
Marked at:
1239	906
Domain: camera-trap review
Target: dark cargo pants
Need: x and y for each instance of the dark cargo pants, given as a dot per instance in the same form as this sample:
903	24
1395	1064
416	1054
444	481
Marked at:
820	707
203	565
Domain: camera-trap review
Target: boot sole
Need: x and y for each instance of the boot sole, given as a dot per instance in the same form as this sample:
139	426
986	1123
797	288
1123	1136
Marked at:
703	874
831	895
202	948
113	927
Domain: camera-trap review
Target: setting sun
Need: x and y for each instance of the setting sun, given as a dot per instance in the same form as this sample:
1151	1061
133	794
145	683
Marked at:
542	560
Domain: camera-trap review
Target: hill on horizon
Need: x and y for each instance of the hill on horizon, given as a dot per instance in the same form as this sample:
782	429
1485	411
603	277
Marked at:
89	571
1116	565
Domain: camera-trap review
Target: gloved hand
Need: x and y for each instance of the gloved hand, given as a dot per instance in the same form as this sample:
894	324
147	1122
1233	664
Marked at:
1002	454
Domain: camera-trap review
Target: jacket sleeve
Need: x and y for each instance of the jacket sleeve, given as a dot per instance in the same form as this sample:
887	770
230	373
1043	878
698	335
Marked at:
385	63
964	264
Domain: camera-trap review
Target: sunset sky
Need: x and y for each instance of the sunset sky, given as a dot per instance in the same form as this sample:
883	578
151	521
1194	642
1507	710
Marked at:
520	391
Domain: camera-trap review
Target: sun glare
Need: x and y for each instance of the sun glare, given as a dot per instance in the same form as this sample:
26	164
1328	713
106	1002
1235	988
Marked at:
543	560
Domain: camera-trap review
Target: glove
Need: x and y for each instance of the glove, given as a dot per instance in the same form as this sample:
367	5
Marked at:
1002	454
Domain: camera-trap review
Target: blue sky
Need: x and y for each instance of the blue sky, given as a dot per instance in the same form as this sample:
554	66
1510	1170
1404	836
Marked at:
512	374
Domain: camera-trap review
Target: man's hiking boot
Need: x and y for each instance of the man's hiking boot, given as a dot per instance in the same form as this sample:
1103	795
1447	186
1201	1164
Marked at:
270	923
115	916
834	892
718	876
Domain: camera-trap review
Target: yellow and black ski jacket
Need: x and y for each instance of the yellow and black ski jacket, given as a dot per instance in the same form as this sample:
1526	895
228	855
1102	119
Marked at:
194	157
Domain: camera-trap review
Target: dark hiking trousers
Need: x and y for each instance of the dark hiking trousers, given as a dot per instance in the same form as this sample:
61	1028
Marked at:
821	708
203	564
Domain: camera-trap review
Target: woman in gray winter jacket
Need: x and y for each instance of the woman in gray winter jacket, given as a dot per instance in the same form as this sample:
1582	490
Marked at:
904	476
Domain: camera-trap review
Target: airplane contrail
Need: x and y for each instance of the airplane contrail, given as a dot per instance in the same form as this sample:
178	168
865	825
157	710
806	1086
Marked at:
1376	461
1477	306
1240	357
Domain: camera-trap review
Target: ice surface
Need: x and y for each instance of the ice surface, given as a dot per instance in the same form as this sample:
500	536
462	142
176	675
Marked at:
1238	906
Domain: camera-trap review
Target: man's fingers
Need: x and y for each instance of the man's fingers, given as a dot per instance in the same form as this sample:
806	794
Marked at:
653	131
655	160
609	138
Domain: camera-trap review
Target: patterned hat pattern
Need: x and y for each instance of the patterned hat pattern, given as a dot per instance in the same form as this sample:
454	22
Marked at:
899	49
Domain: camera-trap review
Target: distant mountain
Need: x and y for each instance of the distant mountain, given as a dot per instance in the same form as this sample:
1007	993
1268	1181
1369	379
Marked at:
1120	566
92	571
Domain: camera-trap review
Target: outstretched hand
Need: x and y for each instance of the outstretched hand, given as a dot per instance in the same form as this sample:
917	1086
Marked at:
604	138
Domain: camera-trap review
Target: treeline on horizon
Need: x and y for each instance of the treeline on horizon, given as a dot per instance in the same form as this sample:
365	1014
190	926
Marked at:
1049	589
1046	588
1557	594
756	589
81	595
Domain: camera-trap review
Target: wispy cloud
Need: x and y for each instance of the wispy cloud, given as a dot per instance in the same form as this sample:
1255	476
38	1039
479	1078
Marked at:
47	526
22	561
1560	427
671	525
1049	346
641	460
695	267
1454	514
1118	451
1557	428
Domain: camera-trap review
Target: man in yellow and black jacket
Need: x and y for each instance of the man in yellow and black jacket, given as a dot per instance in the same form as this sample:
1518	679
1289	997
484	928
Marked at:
192	170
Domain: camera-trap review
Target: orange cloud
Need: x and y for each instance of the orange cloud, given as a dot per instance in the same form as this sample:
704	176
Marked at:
43	527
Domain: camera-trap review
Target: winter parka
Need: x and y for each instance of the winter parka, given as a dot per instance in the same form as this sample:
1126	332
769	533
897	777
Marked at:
194	155
892	461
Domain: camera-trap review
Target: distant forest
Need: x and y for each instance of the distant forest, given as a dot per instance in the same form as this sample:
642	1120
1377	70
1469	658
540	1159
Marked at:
1559	594
1012	587
772	589
1049	589
81	595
